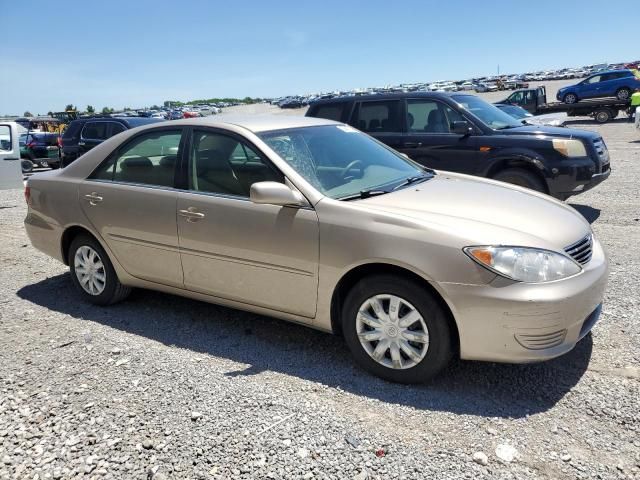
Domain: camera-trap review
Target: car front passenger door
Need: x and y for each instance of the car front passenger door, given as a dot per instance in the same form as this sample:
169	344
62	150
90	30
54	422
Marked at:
231	248
430	142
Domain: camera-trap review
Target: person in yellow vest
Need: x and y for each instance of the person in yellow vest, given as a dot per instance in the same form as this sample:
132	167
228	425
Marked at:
635	103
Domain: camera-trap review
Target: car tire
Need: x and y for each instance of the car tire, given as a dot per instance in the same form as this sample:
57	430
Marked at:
100	285
602	115
403	360
522	178
623	94
570	98
26	165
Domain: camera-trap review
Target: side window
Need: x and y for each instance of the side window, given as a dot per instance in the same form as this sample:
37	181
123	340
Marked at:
332	111
116	128
517	98
95	130
430	116
219	163
149	159
592	80
379	116
5	138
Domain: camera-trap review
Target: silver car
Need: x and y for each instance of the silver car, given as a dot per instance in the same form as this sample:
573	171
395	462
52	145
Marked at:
311	221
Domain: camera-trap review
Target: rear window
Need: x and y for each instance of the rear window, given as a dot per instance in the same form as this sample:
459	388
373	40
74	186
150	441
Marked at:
333	111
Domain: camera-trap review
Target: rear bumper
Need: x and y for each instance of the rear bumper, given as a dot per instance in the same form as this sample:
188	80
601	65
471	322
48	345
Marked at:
512	322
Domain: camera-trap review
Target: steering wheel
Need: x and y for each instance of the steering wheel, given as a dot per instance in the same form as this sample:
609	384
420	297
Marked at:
344	173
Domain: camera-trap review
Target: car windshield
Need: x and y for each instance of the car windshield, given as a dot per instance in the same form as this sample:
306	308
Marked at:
342	162
489	114
515	112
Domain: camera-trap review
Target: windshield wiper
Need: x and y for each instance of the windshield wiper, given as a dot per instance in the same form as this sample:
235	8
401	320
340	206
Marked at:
411	180
363	194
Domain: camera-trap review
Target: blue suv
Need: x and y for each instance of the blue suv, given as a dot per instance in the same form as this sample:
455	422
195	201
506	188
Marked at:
613	83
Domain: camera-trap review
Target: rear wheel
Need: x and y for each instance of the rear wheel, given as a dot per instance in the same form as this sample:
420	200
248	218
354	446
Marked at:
602	115
396	329
521	177
570	98
623	94
27	165
93	274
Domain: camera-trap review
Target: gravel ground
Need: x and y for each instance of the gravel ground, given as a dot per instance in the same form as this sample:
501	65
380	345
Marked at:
164	387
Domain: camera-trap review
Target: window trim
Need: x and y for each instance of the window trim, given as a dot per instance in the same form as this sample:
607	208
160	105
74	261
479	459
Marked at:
113	156
186	161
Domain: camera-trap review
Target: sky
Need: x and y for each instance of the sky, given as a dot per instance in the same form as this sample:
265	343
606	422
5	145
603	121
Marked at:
141	52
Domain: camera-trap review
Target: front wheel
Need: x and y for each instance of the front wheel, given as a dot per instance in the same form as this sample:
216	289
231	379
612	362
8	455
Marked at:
570	98
623	94
396	329
93	274
522	178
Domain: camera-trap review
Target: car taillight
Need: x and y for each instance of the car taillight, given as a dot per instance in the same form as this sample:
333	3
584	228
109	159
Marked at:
27	194
60	142
31	144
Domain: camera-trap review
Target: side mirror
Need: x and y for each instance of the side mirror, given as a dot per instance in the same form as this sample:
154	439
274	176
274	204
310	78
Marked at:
274	193
461	128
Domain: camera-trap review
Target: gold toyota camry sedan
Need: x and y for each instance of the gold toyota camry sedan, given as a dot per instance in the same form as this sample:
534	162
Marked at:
314	222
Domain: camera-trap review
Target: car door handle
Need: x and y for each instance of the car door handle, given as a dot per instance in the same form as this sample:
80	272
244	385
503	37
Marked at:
93	198
81	144
412	144
191	214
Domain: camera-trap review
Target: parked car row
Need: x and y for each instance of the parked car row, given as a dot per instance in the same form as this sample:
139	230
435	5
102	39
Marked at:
477	84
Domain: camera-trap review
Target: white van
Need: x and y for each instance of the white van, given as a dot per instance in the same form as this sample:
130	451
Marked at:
10	166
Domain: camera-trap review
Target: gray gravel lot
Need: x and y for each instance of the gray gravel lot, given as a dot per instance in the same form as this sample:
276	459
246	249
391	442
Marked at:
165	387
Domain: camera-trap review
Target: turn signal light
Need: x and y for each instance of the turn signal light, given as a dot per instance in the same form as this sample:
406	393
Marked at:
483	255
27	194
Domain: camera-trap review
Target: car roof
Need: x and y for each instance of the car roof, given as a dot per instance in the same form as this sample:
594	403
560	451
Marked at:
131	122
256	123
389	96
604	72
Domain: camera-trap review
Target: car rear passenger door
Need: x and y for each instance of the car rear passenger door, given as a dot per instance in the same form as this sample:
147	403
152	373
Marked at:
232	248
430	141
130	201
92	134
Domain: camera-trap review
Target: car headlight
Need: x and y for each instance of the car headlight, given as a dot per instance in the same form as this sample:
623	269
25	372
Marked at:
530	265
569	148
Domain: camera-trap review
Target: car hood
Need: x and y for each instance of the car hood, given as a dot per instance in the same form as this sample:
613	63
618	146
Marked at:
538	130
484	212
548	119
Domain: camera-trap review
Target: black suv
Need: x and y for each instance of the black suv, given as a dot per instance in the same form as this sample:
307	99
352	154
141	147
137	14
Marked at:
85	133
461	133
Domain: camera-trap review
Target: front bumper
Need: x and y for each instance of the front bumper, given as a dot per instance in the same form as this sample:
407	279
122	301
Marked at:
506	321
577	177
